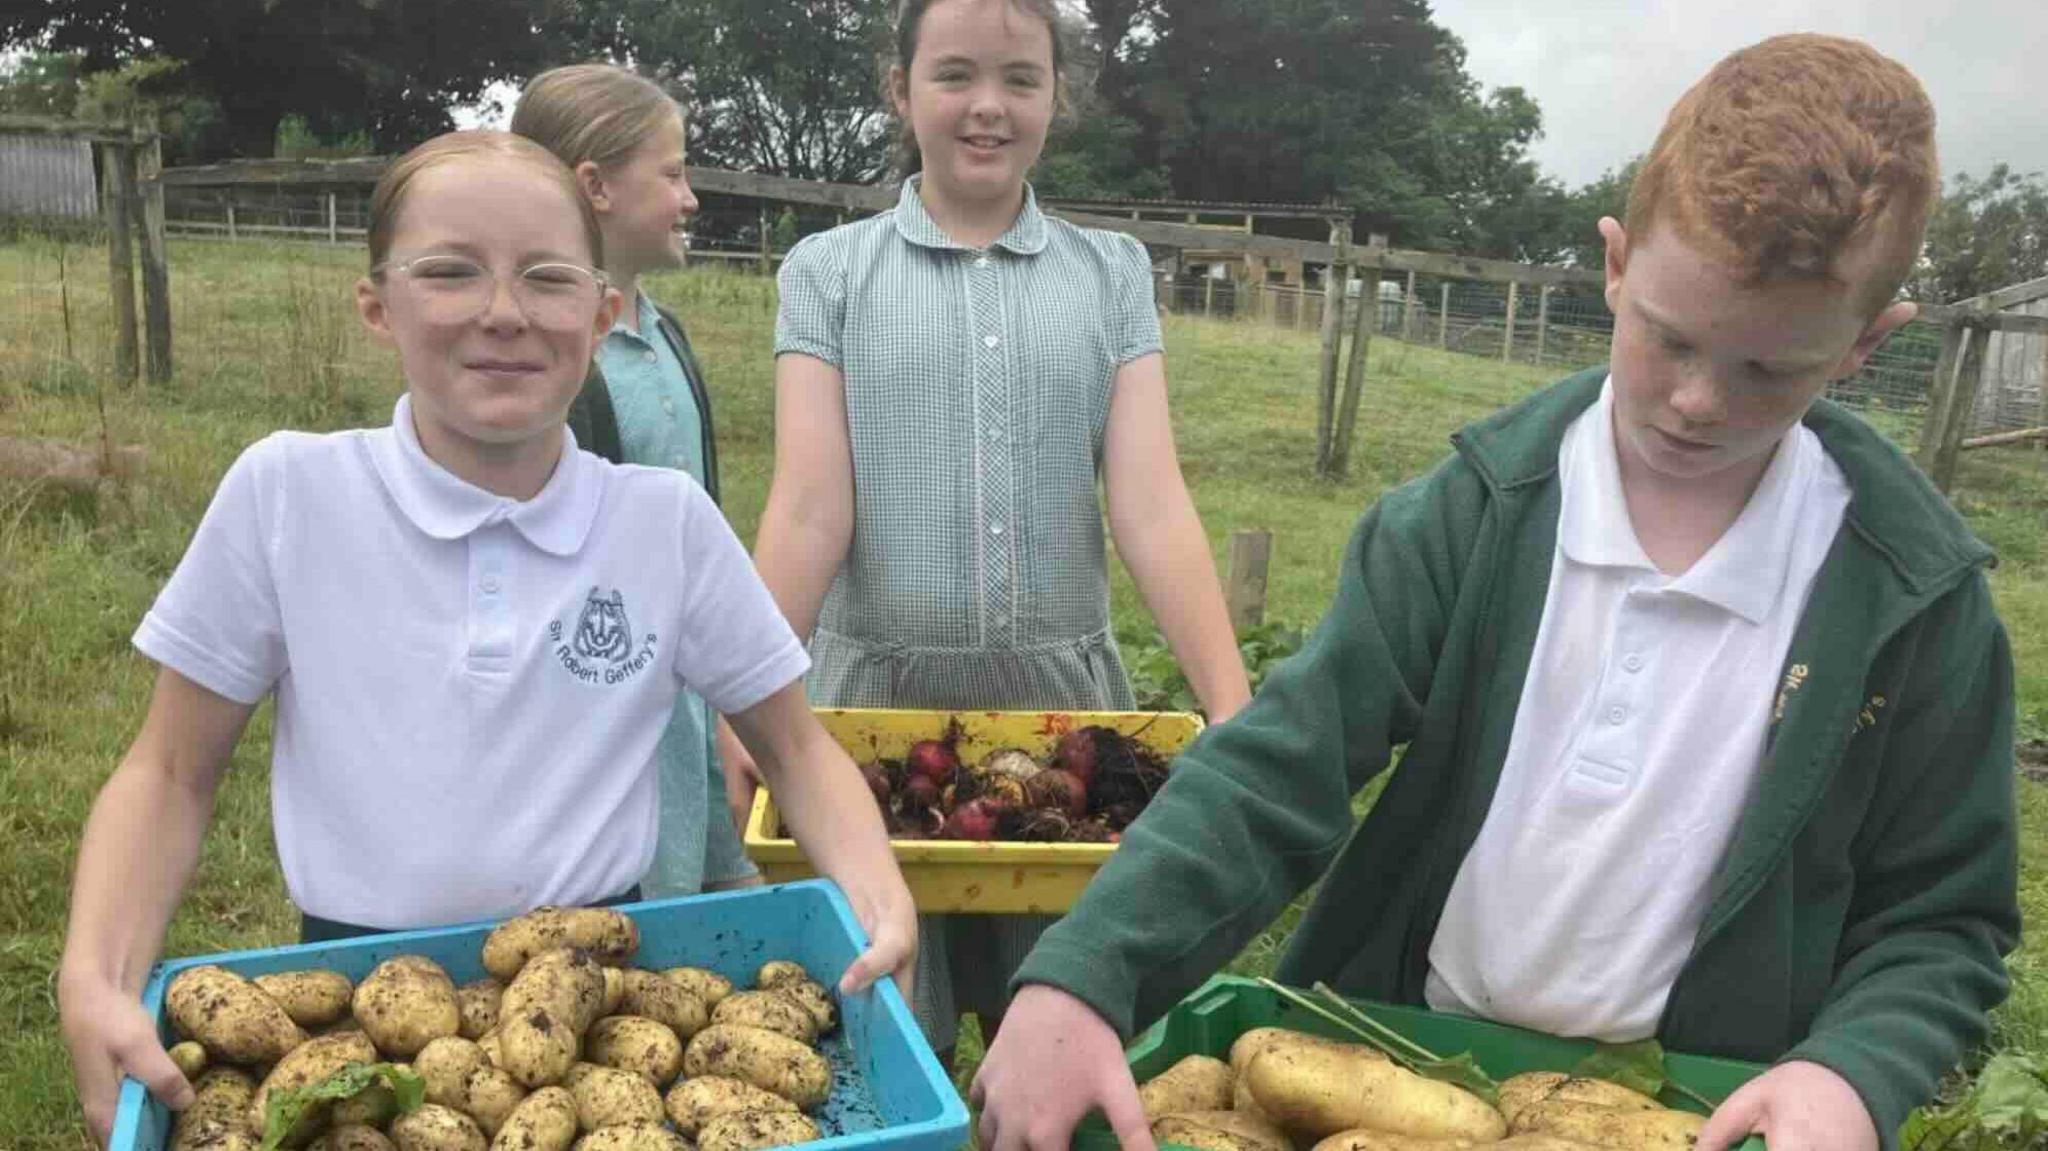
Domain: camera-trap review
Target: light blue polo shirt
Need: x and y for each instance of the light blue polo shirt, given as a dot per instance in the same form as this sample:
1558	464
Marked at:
660	426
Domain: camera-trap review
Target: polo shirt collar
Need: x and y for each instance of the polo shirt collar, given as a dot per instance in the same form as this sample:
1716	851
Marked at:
1743	573
1025	237
650	321
556	520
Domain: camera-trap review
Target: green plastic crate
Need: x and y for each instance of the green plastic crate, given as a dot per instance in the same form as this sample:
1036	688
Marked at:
1206	1022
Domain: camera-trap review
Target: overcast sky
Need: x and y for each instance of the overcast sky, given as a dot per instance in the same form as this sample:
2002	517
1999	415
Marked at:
1606	71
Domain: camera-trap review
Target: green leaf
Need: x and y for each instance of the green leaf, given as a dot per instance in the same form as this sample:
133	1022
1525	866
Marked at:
1638	1066
1461	1071
2012	1093
286	1108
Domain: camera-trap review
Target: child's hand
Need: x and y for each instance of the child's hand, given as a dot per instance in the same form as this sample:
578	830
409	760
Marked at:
741	776
1795	1107
110	1036
1053	1061
890	919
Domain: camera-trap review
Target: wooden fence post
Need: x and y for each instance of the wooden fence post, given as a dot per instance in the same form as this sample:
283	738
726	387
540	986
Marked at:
1443	317
1507	341
116	196
1542	322
1408	308
1245	593
1941	389
231	218
1962	405
1335	277
1354	371
767	244
2043	420
1208	296
156	263
333	221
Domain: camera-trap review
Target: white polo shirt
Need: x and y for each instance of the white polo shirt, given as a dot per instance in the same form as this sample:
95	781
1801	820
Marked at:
470	689
1640	730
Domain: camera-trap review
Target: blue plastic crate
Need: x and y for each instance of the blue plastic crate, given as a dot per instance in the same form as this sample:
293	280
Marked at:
888	1090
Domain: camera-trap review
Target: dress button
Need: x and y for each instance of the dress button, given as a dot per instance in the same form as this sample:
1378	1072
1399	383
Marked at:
1617	715
1633	662
991	341
981	261
995	529
490	585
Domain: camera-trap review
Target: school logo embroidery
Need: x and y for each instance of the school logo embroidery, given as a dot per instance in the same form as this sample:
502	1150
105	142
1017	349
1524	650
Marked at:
601	649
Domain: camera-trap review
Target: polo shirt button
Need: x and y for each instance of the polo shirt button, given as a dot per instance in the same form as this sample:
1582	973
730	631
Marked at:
649	356
668	406
981	261
991	341
1633	662
490	585
1617	715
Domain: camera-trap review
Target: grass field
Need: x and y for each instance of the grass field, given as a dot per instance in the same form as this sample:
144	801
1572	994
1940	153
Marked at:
266	339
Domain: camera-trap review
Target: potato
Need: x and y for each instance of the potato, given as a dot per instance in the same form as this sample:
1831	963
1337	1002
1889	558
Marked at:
813	998
492	1049
769	1061
637	1137
1241	1100
493	1096
752	1130
777	972
478	1003
1638	1130
631	1043
663	1000
1220	1131
1320	1091
770	1011
446	1065
220	1107
407	1003
614	990
708	986
1367	1139
611	937
308	1063
436	1128
545	1121
231	1017
1523	1091
555	997
374	1106
1260	1039
607	1097
354	1137
694	1102
189	1057
216	1135
312	998
1196	1083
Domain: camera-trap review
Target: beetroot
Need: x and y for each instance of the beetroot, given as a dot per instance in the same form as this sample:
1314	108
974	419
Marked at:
1075	752
975	819
1057	789
934	759
920	793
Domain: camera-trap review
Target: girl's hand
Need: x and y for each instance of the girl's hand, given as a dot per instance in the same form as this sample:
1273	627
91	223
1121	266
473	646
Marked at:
890	920
110	1036
1795	1106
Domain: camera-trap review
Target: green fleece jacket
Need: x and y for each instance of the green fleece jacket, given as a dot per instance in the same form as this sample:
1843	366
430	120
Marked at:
1858	919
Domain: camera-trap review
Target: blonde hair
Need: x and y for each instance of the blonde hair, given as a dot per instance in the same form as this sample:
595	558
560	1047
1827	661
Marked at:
595	112
1791	152
454	147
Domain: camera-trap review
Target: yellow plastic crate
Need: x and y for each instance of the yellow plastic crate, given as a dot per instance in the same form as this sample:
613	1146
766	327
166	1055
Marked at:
966	876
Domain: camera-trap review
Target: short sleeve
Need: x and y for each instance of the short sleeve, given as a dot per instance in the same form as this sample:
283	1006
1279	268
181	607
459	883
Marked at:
736	648
811	317
1133	314
217	621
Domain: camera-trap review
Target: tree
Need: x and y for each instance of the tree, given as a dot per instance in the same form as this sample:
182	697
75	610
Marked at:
145	90
1984	235
389	69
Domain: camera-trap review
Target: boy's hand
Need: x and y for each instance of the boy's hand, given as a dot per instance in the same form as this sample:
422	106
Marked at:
110	1036
1053	1061
1795	1107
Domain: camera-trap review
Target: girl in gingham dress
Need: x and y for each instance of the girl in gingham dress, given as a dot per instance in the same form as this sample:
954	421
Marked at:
953	379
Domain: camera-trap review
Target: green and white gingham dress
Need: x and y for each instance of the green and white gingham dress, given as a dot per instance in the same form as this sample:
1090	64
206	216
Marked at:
977	390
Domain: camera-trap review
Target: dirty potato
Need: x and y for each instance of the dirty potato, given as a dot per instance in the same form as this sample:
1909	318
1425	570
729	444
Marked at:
614	990
309	1063
770	1011
708	986
1259	1039
445	1065
754	1130
815	999
215	1135
488	1043
220	1105
313	999
374	1106
769	1061
777	972
544	1121
353	1137
554	998
1520	1092
436	1128
1220	1131
694	1102
407	1003
478	1004
190	1058
663	1000
1318	1091
1654	1130
1196	1083
607	1097
1366	1139
611	937
631	1043
636	1137
230	1017
493	1096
